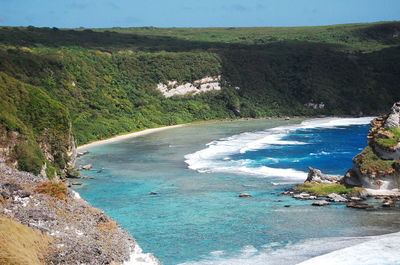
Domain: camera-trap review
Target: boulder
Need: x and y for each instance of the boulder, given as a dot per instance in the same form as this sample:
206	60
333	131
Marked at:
76	183
336	198
320	203
358	205
87	167
245	195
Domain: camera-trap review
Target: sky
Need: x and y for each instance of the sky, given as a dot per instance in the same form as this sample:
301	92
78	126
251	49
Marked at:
194	13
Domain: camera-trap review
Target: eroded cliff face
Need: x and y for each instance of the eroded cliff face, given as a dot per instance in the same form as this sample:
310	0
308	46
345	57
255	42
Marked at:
21	151
8	141
378	165
174	88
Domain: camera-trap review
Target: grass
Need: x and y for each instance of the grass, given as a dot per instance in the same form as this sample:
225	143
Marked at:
369	162
22	245
393	140
324	188
54	189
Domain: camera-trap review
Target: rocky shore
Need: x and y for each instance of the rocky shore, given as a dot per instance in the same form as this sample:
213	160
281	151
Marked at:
81	234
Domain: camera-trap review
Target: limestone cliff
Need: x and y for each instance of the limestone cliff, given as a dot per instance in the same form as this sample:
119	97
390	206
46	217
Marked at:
377	167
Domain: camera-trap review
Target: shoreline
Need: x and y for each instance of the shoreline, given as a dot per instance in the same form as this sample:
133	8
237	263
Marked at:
158	129
128	135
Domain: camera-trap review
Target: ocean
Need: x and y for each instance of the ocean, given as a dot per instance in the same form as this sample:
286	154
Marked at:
197	173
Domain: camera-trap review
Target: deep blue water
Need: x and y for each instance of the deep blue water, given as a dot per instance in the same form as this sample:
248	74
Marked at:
197	215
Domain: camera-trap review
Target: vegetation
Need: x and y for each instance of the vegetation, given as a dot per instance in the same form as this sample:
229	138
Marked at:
369	162
393	140
93	84
20	244
54	189
324	188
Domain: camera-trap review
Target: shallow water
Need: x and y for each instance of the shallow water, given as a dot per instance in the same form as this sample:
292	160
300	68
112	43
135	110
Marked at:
197	216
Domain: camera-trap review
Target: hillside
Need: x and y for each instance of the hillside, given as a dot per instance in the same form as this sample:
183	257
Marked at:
61	86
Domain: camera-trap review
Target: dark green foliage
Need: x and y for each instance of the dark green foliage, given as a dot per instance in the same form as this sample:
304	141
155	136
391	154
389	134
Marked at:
30	157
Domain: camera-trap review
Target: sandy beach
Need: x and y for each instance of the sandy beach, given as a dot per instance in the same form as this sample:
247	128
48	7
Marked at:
126	136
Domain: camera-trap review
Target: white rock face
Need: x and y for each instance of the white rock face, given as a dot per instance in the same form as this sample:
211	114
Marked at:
173	88
315	105
394	117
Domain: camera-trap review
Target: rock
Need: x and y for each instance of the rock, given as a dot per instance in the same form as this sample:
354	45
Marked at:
11	187
355	199
336	198
320	203
72	175
315	175
388	203
100	171
312	197
394	117
287	206
358	205
24	194
82	153
76	183
153	193
245	195
302	196
91	178
87	167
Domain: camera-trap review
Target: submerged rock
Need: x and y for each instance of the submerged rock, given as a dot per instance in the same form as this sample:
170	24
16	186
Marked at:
359	205
87	167
320	203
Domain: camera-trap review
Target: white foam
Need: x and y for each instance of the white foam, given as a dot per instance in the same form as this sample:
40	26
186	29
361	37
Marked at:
337	250
137	257
215	158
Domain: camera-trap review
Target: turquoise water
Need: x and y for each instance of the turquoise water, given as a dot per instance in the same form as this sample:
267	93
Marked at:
198	172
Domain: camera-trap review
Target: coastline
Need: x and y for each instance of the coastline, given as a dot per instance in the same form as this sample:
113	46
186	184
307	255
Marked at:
128	135
158	129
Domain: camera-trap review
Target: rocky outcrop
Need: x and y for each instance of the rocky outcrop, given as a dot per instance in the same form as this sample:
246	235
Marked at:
315	175
393	119
377	166
81	234
174	88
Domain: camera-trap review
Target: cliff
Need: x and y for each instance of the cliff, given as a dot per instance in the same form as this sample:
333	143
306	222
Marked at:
378	166
73	231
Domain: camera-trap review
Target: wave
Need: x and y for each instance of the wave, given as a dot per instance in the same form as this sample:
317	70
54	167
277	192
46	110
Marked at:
216	157
337	250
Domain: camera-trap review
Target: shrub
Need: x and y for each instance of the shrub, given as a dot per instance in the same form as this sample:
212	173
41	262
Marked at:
54	189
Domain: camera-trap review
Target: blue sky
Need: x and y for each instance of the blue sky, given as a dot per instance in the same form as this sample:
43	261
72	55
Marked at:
194	13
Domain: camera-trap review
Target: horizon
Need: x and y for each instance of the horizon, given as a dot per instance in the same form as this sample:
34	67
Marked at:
193	14
216	27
